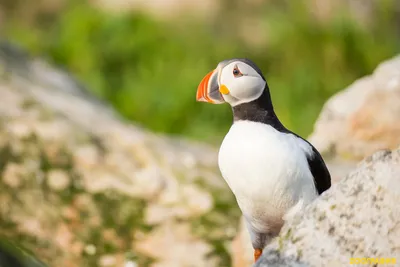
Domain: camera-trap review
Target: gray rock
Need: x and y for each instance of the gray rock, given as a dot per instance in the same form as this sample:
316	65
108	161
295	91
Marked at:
358	217
362	118
79	186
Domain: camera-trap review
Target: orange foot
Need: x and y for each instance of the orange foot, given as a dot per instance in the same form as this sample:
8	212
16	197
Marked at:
257	254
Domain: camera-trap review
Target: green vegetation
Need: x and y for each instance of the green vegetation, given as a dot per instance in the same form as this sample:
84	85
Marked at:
12	254
149	70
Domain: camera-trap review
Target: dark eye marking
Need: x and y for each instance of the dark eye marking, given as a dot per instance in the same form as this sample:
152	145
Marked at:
236	72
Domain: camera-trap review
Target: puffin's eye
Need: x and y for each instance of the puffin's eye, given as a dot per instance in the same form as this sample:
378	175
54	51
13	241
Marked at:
236	72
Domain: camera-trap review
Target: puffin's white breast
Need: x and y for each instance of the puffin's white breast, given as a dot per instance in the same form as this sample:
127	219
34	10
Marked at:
267	170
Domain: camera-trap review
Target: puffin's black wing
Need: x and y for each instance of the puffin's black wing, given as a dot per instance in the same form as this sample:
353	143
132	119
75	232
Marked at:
322	177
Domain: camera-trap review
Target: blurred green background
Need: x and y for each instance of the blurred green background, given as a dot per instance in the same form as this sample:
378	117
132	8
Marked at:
148	64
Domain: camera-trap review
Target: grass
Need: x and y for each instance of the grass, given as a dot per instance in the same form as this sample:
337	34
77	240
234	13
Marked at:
149	69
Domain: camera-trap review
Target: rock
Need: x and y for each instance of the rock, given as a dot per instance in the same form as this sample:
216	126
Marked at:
325	10
359	217
185	251
12	175
363	118
184	202
82	187
161	9
57	180
242	250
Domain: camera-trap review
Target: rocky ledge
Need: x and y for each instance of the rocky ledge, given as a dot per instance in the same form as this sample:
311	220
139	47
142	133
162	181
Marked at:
358	219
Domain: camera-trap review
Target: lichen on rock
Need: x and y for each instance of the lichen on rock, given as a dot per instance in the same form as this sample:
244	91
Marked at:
359	217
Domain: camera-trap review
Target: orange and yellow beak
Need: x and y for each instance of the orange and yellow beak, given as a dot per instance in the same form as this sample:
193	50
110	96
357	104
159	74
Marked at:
208	89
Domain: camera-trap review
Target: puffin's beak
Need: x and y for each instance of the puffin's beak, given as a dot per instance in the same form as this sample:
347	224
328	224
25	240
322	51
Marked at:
208	89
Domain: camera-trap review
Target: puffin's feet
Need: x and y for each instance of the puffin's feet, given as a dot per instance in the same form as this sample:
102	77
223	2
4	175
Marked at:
257	254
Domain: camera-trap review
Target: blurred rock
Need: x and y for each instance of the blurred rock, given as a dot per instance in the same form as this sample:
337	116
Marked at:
160	8
184	202
174	245
323	10
82	187
242	250
361	10
57	180
358	217
364	117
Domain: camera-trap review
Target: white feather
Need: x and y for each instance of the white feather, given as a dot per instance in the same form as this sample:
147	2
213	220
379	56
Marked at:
252	82
267	171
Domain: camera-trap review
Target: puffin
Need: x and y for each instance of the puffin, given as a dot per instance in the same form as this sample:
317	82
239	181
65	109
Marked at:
273	172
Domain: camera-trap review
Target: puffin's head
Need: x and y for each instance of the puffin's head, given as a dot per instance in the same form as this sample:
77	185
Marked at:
235	81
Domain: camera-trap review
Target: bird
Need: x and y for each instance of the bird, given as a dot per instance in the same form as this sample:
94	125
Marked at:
273	172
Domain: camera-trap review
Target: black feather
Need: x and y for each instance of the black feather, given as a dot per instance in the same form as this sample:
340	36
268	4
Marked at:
322	177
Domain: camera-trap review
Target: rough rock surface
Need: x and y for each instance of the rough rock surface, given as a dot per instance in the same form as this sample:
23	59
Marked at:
353	124
359	217
81	187
363	118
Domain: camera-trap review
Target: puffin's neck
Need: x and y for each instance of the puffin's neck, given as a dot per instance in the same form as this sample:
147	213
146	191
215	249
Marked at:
259	110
